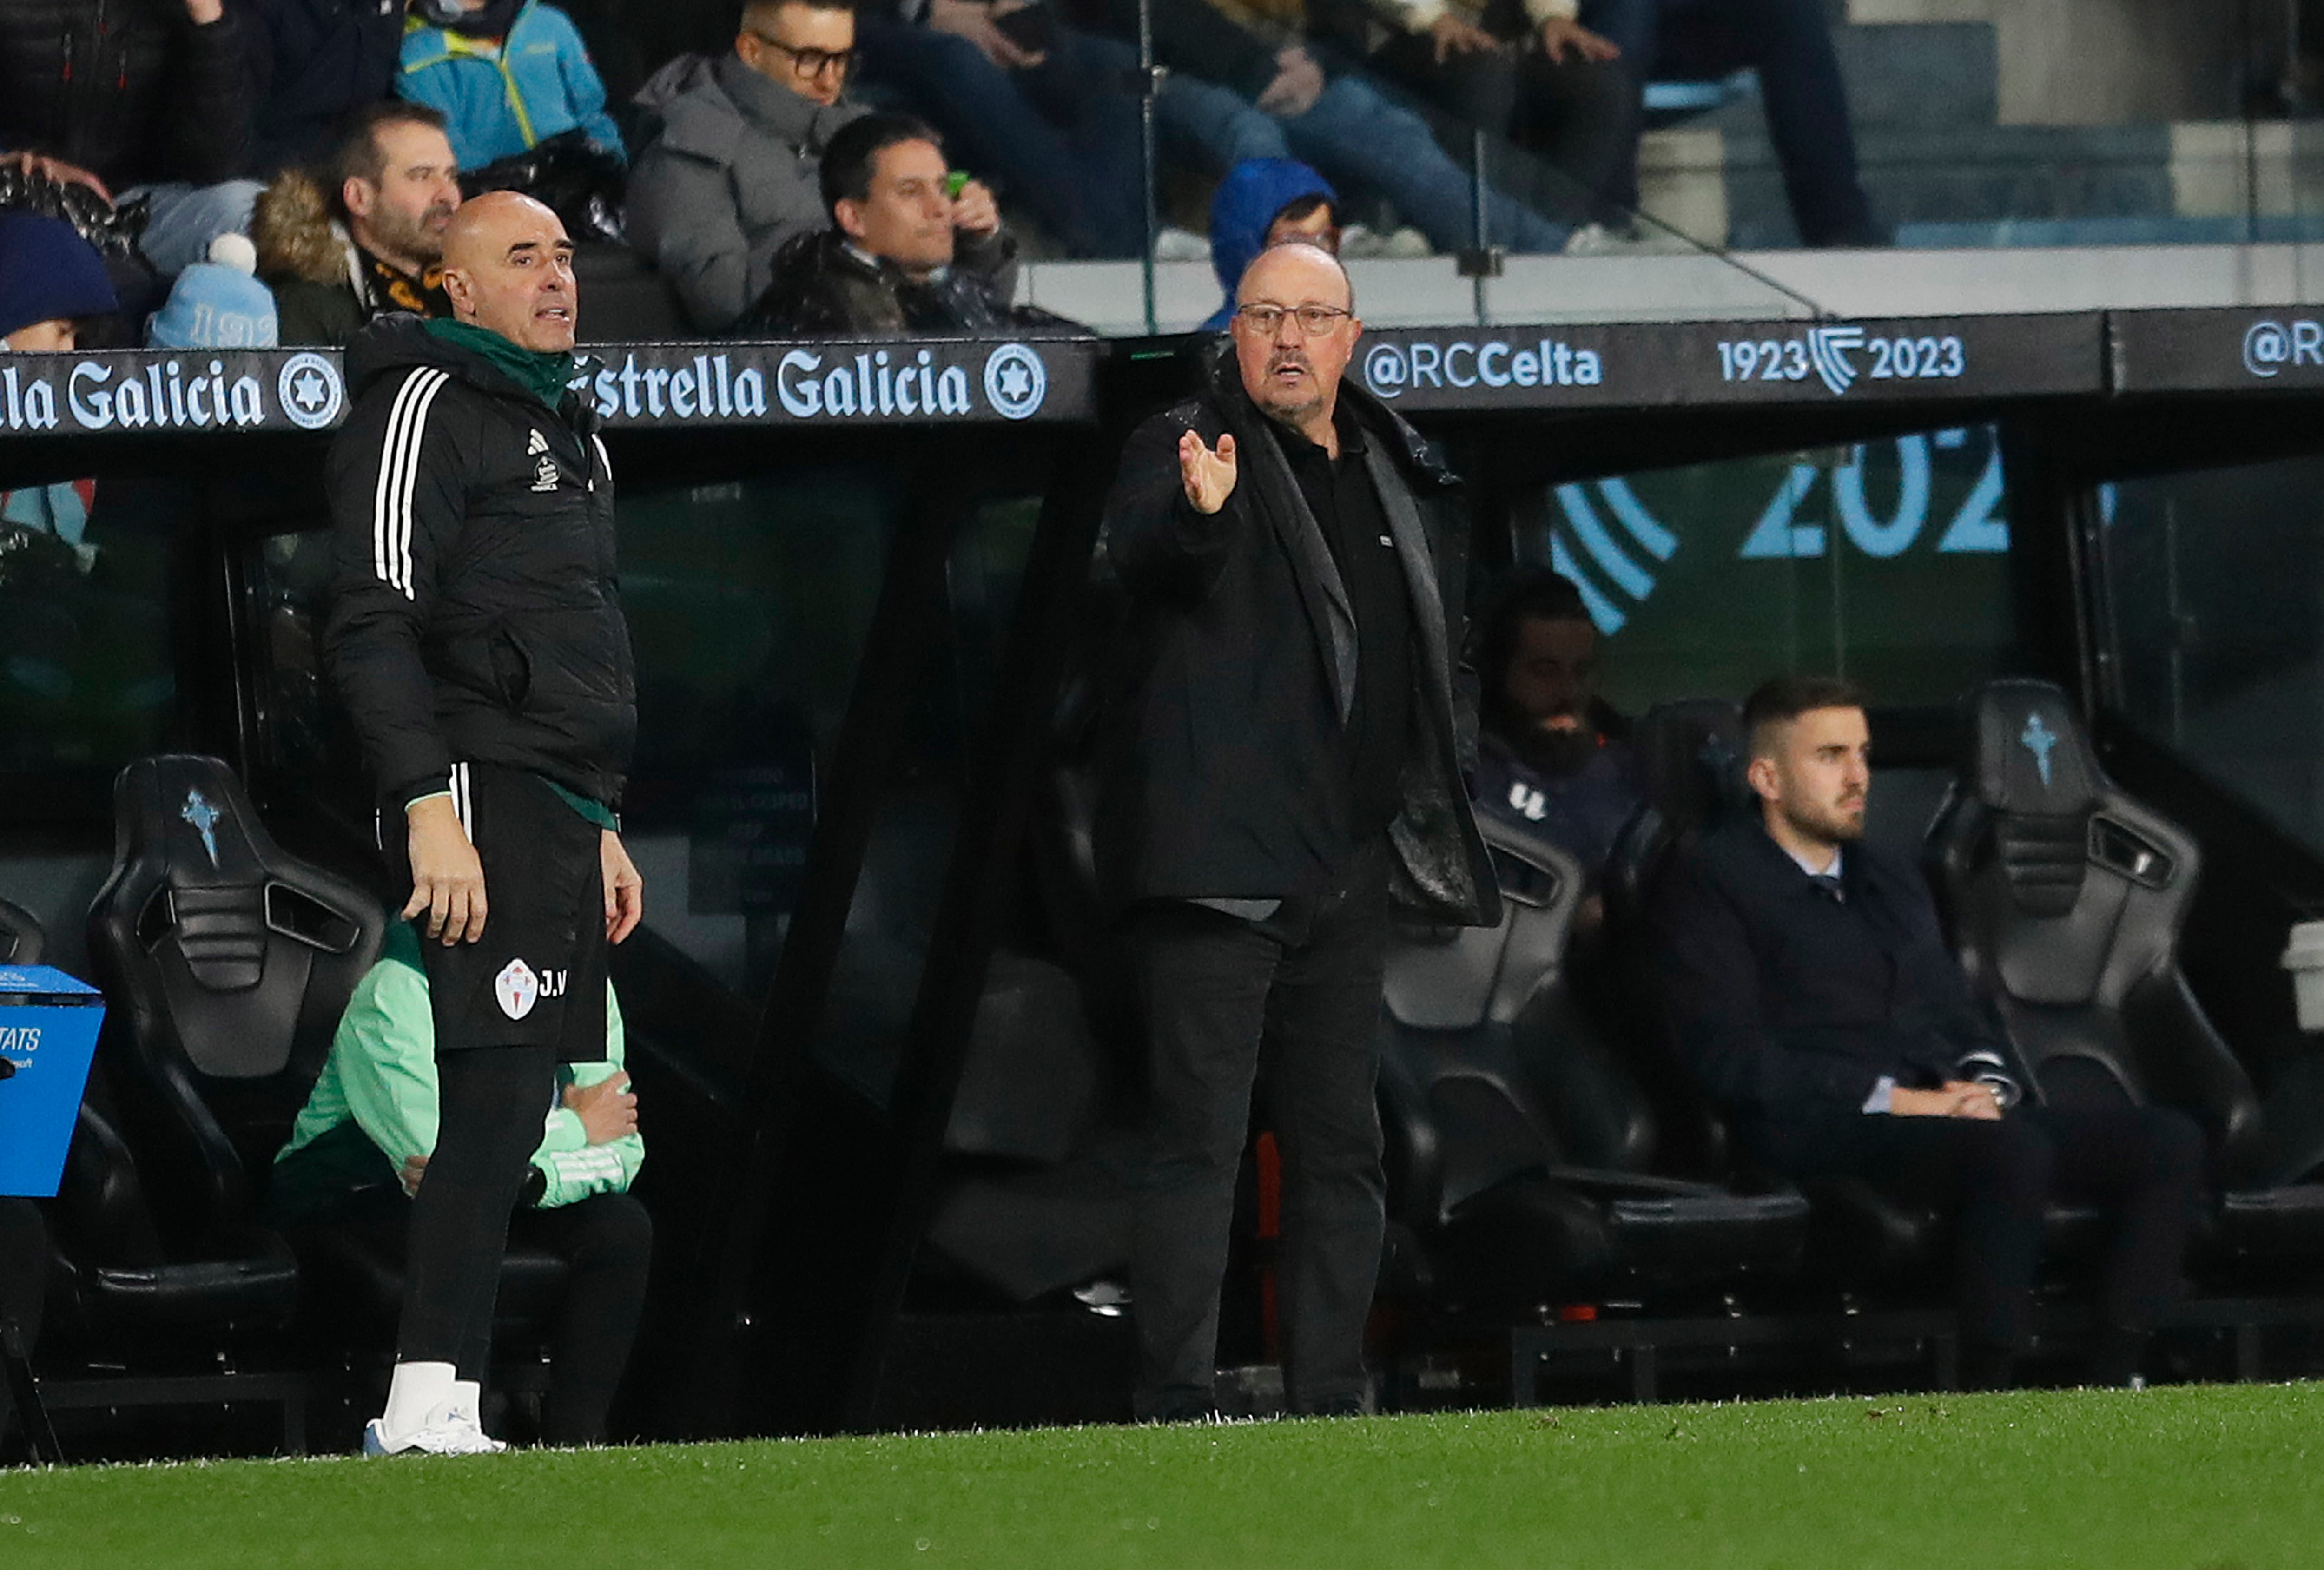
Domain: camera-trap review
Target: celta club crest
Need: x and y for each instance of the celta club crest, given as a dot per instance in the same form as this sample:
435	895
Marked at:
2040	742
1827	349
516	988
199	812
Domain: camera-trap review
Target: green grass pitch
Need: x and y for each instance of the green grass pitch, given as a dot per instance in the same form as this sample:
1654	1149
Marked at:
2178	1478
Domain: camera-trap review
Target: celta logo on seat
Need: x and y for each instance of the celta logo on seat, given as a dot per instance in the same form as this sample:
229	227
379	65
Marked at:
199	812
2041	742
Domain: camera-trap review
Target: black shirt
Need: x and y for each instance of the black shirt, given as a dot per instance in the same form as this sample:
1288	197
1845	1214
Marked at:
1340	494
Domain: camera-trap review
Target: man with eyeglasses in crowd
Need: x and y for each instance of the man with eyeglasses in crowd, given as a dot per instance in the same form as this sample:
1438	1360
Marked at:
1285	765
734	173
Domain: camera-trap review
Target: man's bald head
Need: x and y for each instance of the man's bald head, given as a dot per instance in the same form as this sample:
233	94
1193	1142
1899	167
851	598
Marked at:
1291	365
1309	272
508	268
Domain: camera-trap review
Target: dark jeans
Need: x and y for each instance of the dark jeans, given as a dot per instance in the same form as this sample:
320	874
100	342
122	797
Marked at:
1996	1178
1787	42
1580	116
1291	1003
1061	139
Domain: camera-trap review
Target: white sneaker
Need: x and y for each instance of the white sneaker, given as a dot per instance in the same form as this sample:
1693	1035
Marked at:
447	1432
1636	240
1407	245
1176	245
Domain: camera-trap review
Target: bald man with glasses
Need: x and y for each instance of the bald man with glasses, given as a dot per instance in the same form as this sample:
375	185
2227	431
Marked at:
734	173
1286	766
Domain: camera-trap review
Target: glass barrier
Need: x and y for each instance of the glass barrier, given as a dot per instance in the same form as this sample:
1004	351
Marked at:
90	569
2214	636
749	603
1887	562
1638	130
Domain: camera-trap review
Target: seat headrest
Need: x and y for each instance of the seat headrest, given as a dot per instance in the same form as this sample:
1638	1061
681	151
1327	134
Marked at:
189	813
1690	759
2028	753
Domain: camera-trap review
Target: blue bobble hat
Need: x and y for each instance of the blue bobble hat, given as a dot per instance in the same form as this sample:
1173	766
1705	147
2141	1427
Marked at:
48	272
217	304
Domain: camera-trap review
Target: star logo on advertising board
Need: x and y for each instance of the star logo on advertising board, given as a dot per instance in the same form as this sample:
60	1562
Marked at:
310	390
1015	382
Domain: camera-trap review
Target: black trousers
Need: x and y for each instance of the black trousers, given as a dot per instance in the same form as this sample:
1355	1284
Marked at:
606	1242
2089	1144
1292	1005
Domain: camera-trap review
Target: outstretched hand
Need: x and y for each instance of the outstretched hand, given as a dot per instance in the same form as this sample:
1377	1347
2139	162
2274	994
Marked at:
1209	477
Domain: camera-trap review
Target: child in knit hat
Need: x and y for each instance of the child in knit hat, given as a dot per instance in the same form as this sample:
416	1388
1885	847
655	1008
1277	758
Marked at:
49	279
217	304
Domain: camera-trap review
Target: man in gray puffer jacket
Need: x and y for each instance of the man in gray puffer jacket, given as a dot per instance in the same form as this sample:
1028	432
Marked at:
734	173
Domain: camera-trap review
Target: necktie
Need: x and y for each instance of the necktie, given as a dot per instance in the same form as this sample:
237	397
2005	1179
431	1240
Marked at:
1828	884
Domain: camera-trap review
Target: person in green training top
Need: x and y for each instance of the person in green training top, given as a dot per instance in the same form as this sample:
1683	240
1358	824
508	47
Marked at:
360	1150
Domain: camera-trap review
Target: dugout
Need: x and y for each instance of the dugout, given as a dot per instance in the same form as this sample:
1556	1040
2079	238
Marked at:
859	619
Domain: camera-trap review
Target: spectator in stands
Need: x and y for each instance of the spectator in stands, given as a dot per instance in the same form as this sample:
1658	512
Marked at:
1813	995
506	75
1553	756
1020	92
732	175
359	1151
1264	752
1245	90
1264	202
1526	72
904	253
373	241
1788	43
146	100
217	304
318	62
49	279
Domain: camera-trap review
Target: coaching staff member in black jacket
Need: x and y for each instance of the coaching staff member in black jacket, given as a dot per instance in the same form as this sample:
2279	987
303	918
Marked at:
1287	758
476	635
1815	998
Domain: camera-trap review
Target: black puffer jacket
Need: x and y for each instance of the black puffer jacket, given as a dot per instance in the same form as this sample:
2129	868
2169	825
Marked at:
131	90
476	615
821	285
315	60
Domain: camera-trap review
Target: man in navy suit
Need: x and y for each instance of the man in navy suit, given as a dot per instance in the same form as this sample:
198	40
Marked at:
1814	996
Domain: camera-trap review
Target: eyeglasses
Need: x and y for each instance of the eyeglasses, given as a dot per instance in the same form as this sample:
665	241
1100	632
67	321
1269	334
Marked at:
1315	321
811	63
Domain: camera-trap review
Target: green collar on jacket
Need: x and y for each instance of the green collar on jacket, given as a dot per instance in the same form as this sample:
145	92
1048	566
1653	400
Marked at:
541	374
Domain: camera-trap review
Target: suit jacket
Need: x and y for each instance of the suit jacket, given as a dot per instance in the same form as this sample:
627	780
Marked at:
1790	1005
1224	767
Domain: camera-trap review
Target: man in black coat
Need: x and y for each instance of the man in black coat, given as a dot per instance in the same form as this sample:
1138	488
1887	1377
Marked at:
1286	760
1815	997
477	640
133	98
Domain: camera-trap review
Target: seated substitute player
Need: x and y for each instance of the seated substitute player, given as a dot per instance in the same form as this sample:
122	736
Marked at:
1553	756
361	1145
1815	997
476	637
